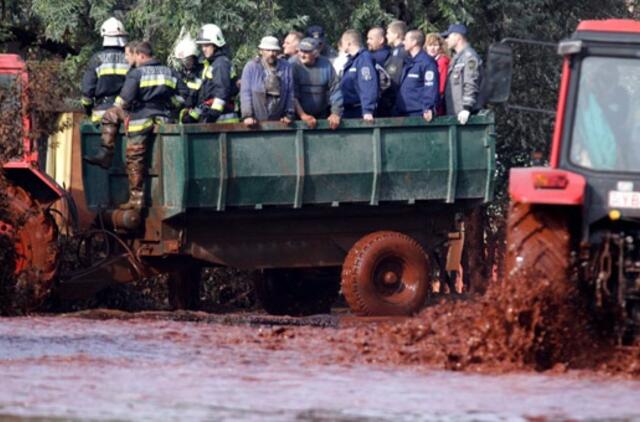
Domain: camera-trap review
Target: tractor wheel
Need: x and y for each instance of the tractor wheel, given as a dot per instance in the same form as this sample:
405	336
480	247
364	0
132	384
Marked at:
296	292
538	242
184	287
34	237
386	273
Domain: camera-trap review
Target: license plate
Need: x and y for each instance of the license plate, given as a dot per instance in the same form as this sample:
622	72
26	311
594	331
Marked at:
619	199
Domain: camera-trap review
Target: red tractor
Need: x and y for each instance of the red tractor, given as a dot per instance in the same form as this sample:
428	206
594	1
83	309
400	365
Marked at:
30	192
579	218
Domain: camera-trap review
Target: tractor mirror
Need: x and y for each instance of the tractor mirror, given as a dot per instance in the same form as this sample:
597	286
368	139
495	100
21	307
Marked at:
499	70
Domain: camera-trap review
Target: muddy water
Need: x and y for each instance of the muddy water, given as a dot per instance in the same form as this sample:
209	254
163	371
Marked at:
141	369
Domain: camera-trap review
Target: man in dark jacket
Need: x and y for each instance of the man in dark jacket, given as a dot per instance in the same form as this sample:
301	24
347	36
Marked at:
104	76
189	71
215	95
394	64
419	87
148	95
359	83
266	91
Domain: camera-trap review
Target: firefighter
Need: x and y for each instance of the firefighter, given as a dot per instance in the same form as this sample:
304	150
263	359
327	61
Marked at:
186	52
465	75
106	71
148	95
359	83
215	96
419	87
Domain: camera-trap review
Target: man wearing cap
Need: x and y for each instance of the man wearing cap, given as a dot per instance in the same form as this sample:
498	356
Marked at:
266	91
317	87
317	32
359	82
465	75
419	87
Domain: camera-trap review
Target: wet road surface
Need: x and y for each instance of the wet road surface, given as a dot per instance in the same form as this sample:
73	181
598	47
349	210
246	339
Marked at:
139	369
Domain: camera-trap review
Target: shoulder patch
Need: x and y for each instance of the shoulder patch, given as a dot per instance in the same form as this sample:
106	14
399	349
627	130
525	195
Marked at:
472	64
366	73
429	75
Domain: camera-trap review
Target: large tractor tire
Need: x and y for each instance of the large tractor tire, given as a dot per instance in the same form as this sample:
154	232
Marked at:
296	292
386	273
34	236
538	242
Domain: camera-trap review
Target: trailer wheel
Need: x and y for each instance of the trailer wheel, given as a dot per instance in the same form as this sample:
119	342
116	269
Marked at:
296	292
34	237
538	242
184	287
386	273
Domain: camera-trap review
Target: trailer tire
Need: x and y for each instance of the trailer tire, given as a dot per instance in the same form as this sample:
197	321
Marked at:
538	242
184	287
296	292
35	254
386	273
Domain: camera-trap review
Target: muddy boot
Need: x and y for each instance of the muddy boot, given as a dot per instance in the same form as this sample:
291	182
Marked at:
104	157
136	187
136	200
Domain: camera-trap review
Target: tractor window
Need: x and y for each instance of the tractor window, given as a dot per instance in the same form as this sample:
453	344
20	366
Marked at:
606	127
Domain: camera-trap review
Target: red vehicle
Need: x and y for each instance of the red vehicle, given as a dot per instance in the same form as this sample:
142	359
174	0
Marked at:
30	193
580	217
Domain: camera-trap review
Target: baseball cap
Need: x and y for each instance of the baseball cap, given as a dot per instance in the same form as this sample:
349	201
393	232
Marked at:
315	31
308	45
457	28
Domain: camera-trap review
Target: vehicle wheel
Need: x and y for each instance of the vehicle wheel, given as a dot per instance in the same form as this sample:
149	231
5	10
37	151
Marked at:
538	242
34	236
386	273
184	287
296	292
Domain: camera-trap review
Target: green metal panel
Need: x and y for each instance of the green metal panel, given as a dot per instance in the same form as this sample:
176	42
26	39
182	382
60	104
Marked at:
218	167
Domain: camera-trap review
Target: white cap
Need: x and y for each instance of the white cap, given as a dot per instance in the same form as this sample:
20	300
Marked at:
269	43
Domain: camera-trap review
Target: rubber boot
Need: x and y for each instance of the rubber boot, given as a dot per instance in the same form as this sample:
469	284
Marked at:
104	157
136	187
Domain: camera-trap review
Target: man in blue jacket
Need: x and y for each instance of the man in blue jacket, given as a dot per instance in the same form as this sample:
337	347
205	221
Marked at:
359	83
419	87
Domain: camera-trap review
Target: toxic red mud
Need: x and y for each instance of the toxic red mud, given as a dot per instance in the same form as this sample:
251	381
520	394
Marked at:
72	368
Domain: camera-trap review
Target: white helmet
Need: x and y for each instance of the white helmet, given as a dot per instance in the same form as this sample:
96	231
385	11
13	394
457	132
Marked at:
185	48
211	34
112	27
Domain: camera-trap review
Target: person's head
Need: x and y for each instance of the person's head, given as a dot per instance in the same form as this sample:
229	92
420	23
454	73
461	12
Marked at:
113	33
291	42
210	38
456	36
434	45
395	33
130	53
413	41
317	32
309	50
143	52
350	42
186	52
269	49
375	38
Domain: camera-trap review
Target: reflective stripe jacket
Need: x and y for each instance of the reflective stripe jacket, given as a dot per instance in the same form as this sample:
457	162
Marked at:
104	77
419	86
317	87
189	86
463	81
359	83
217	89
149	91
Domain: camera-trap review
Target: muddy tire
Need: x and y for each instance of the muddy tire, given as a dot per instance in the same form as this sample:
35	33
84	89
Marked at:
538	242
296	292
386	273
184	287
34	254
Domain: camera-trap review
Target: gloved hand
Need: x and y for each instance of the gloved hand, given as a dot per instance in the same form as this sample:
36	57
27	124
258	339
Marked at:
87	110
463	117
185	116
213	115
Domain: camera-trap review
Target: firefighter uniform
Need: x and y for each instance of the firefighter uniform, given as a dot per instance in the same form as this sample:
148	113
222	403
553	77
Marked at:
189	84
463	82
214	103
419	86
149	93
103	80
359	85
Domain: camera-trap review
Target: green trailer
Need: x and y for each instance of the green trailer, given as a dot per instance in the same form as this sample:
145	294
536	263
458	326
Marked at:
380	206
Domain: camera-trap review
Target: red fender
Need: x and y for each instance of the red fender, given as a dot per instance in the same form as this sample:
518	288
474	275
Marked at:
545	185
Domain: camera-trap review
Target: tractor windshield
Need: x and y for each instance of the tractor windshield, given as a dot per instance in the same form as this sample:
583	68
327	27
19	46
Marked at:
606	126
